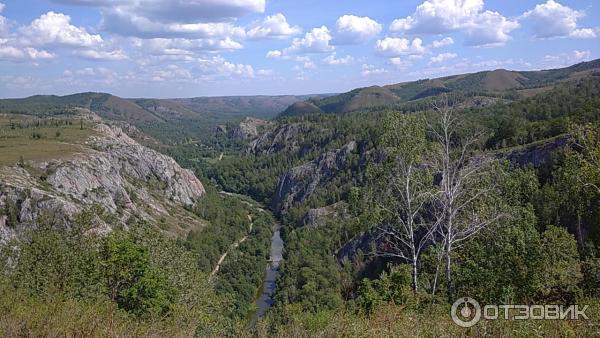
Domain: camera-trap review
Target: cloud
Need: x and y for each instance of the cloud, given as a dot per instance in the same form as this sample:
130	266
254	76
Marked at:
275	26
314	42
218	67
124	23
442	57
114	55
552	19
394	47
467	16
168	11
447	41
11	49
305	63
265	72
369	70
274	54
193	19
182	49
3	22
56	29
332	60
12	53
566	59
399	63
351	29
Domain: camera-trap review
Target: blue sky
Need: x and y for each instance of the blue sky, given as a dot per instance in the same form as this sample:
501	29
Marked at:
185	48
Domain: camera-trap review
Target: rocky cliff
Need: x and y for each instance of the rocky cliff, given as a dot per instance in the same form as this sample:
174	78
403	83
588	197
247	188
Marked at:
112	171
249	128
300	182
283	137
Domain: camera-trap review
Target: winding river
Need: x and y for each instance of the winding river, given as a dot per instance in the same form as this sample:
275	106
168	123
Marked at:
264	302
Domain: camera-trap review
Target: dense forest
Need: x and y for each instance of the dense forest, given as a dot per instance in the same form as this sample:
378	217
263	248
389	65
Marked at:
535	241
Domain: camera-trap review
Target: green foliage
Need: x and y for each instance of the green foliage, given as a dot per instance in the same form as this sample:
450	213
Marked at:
228	221
391	287
504	264
542	116
130	279
561	265
309	274
240	276
138	273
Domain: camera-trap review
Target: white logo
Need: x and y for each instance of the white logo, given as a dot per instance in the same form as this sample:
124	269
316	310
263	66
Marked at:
469	313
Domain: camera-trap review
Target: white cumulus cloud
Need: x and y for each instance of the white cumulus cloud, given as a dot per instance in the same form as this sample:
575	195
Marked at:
56	29
12	53
333	60
394	47
467	16
447	41
316	41
351	29
274	26
442	57
114	55
551	19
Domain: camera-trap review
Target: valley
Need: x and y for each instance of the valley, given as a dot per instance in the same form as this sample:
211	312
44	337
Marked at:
358	214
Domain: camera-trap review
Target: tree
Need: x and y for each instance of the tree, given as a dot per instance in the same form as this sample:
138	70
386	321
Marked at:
587	142
131	281
561	265
404	191
467	183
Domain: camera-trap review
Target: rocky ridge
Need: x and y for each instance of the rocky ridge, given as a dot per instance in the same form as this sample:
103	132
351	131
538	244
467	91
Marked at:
112	171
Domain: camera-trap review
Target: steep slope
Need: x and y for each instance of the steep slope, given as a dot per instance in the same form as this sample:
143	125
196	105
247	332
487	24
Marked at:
111	171
297	185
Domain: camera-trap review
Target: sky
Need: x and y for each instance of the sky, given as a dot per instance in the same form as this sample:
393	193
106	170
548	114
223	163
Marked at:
188	48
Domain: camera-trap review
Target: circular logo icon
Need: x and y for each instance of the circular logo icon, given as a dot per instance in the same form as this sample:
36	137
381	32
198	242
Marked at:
466	312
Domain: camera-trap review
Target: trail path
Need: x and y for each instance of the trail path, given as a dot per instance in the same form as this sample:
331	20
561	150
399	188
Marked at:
232	247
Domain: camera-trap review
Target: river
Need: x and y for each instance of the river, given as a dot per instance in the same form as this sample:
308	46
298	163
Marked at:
264	302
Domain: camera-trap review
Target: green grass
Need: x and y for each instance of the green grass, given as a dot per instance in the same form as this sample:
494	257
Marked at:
33	139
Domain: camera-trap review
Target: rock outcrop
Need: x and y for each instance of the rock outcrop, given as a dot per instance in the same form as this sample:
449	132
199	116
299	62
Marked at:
300	182
319	216
285	136
536	155
112	170
249	128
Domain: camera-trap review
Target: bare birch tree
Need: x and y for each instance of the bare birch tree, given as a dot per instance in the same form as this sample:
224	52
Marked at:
405	192
466	182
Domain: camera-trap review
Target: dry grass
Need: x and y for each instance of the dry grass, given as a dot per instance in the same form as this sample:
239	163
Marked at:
54	142
395	321
22	316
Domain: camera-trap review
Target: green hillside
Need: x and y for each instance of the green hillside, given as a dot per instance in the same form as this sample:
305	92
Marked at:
496	83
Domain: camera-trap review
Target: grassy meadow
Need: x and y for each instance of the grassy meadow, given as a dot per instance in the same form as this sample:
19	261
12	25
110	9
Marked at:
24	138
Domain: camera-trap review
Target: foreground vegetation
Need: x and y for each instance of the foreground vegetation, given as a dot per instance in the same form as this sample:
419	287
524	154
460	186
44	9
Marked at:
136	281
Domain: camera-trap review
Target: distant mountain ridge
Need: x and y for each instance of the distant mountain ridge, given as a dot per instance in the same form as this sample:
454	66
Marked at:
485	83
136	110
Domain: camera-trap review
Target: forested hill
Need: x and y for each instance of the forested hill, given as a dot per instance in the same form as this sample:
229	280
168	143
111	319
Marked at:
207	111
492	85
